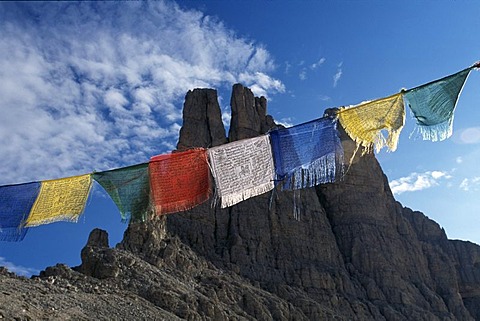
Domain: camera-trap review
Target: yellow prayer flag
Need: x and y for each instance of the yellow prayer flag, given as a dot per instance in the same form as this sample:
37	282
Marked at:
60	200
364	122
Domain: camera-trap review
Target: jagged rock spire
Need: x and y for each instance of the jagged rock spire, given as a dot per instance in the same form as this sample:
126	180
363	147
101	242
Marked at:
249	114
355	253
202	120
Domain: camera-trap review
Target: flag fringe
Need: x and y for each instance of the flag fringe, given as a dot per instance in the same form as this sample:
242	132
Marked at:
320	171
12	234
181	206
379	142
73	218
232	199
434	133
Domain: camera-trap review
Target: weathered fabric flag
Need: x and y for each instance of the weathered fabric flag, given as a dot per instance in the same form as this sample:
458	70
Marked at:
16	201
61	199
308	154
242	169
179	181
365	122
433	105
129	188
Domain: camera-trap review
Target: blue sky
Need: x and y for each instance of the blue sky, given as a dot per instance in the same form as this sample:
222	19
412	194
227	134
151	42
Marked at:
92	86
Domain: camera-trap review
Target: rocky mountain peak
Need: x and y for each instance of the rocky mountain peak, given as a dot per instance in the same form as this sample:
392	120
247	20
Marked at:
202	120
354	254
249	114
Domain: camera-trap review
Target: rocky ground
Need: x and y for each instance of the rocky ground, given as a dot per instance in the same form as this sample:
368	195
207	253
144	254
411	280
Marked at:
114	284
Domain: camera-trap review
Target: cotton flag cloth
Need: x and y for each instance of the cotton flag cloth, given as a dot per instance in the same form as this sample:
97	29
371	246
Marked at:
179	181
308	154
242	169
129	188
433	106
16	201
365	122
61	199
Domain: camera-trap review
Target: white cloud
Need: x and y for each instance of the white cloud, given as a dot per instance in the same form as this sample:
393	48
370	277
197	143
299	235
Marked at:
468	184
438	174
459	160
338	75
417	181
287	67
226	116
318	63
286	122
302	75
261	84
94	85
115	99
17	269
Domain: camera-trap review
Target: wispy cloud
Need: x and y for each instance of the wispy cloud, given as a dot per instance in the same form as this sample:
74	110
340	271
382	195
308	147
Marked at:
261	84
226	116
323	97
417	181
288	66
17	269
286	122
95	85
469	184
303	68
317	64
338	74
303	74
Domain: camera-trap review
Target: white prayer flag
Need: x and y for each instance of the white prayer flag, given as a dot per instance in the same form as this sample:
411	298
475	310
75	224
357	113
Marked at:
242	169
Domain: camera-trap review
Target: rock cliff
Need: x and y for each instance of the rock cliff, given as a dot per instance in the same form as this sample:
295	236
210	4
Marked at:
354	254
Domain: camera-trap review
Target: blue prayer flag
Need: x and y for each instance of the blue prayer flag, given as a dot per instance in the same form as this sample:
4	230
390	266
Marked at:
16	201
308	154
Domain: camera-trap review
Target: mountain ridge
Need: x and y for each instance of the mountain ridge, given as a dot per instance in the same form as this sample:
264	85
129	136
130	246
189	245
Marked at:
354	254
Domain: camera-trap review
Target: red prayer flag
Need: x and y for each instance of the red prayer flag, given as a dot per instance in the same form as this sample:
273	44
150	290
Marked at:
179	181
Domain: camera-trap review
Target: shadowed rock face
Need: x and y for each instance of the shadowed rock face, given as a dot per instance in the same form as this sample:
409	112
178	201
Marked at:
249	114
354	254
202	120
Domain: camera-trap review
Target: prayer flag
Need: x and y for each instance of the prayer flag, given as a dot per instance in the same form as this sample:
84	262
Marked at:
61	199
364	122
179	181
129	188
308	154
242	169
16	201
433	105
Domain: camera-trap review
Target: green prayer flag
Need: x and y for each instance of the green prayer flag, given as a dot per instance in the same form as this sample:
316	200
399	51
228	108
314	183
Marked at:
433	105
129	188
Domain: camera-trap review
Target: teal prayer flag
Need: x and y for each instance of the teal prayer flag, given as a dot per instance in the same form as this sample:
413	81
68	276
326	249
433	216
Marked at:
433	105
129	188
